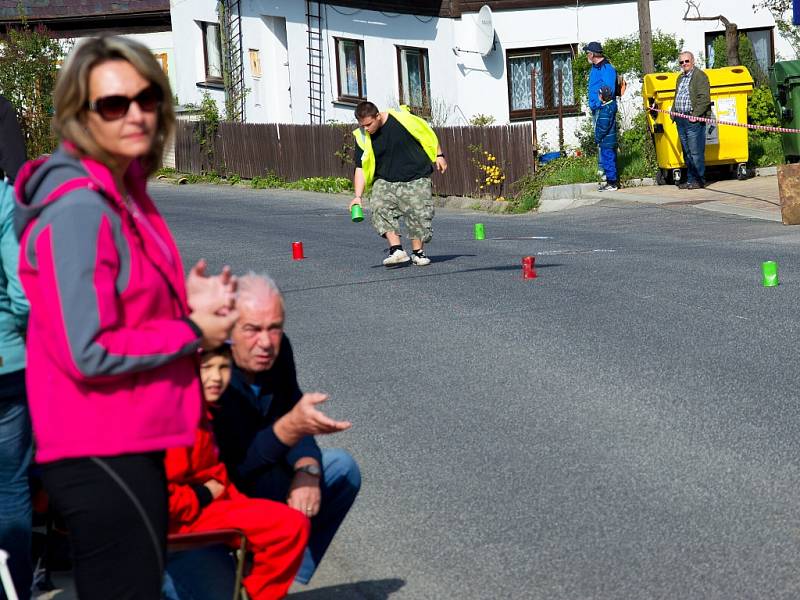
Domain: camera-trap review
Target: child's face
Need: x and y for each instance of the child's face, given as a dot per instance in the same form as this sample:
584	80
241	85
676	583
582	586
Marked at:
215	373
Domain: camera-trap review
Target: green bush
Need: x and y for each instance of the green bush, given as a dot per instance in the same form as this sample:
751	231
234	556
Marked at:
761	108
585	135
28	67
637	155
270	180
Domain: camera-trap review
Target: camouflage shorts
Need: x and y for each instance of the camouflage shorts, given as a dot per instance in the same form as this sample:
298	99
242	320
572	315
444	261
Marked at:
411	200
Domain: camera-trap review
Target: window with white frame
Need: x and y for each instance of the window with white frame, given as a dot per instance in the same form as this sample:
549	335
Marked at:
350	69
550	71
212	51
414	77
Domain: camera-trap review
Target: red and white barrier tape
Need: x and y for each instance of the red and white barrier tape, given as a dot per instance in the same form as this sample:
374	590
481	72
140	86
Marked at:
731	123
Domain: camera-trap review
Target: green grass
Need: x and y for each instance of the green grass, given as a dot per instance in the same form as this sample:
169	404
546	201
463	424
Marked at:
329	185
562	171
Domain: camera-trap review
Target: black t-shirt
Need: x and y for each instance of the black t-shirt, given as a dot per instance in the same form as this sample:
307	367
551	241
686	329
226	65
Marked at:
398	155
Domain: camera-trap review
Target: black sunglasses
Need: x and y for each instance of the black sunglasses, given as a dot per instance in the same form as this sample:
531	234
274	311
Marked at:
111	108
684	62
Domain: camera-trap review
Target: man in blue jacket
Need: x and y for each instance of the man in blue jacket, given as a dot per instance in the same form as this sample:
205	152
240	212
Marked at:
265	425
15	425
601	74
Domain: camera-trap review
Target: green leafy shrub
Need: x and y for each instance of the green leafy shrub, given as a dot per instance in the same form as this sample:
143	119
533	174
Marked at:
270	180
28	67
637	154
585	135
761	108
206	133
481	120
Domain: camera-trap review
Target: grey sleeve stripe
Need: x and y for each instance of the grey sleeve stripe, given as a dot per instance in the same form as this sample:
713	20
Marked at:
74	230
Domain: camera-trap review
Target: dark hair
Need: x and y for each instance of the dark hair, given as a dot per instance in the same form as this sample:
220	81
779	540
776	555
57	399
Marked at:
223	350
366	109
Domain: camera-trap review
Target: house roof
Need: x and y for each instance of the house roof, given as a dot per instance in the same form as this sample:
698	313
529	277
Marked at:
454	8
57	9
82	17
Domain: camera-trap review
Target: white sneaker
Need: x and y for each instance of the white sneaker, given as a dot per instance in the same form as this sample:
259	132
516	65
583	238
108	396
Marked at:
420	259
398	257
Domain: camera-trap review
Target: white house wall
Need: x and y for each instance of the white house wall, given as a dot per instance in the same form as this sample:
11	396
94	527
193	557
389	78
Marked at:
461	85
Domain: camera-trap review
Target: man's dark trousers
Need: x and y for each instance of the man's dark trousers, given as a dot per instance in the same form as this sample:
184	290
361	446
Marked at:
693	142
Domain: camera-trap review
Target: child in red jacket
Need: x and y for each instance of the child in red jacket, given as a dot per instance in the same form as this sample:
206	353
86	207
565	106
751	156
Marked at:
201	498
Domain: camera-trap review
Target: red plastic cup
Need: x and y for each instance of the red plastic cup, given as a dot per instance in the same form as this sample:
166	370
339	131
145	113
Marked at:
528	267
297	251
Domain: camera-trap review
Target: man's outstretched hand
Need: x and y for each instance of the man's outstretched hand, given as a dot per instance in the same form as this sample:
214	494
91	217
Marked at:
307	419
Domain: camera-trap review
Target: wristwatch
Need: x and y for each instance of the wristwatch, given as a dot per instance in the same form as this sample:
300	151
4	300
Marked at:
310	469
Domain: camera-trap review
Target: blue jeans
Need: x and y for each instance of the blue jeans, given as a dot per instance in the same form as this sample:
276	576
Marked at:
15	495
693	143
608	162
340	483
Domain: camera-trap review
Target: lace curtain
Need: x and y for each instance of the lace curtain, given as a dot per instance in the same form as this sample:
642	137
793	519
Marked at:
520	77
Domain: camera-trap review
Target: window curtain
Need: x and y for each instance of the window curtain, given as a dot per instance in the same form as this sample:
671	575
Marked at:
562	63
521	81
412	78
348	65
760	41
214	49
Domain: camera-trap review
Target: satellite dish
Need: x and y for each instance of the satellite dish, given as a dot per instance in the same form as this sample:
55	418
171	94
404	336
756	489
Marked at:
483	33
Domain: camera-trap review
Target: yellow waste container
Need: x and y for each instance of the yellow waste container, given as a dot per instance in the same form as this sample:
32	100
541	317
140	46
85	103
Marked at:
725	145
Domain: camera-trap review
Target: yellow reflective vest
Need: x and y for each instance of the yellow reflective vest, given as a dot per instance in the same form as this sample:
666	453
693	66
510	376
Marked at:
416	126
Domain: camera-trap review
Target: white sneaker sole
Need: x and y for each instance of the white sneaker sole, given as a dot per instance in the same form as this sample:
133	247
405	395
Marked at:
391	261
421	262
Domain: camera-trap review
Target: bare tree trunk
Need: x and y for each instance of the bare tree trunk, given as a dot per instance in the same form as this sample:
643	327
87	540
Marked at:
732	43
645	36
731	32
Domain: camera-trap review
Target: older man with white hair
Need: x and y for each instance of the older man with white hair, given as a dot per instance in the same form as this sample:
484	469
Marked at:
265	426
692	98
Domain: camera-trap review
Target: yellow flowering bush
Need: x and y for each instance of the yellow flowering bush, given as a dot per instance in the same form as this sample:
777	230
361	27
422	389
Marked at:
491	178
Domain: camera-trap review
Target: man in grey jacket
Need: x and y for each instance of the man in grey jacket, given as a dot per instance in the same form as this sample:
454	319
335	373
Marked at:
15	425
693	98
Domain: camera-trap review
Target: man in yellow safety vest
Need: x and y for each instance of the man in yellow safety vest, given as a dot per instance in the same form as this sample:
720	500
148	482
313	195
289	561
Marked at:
394	156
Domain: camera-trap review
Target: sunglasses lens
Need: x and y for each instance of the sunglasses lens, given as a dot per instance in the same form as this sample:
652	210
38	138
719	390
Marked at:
112	107
149	99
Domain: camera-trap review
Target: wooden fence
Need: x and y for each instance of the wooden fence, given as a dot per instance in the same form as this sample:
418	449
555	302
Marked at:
298	151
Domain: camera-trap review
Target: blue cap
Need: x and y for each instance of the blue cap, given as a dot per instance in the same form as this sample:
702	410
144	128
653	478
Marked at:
593	47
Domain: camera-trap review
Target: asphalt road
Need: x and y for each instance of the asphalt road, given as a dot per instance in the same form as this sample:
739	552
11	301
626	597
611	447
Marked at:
624	426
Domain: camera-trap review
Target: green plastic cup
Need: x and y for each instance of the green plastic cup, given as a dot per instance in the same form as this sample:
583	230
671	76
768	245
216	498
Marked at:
356	213
480	232
769	269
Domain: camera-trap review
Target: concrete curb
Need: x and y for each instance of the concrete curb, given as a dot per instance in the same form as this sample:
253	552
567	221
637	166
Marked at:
464	203
563	197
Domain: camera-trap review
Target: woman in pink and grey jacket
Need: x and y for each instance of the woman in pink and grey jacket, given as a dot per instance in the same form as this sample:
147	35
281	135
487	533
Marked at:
113	329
